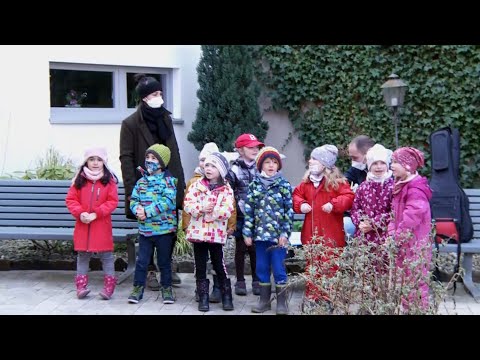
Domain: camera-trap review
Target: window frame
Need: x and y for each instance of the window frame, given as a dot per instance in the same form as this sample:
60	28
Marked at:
119	111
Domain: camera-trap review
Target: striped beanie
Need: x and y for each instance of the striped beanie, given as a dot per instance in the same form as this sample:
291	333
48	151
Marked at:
161	152
265	153
219	161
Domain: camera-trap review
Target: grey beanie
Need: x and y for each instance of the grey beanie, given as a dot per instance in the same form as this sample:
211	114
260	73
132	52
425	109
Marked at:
326	154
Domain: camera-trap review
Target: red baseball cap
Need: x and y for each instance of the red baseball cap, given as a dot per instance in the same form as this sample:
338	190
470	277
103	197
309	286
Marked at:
248	140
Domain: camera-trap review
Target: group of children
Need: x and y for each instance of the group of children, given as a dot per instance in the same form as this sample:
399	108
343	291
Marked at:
251	200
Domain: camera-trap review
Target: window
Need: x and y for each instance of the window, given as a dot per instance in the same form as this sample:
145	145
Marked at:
98	94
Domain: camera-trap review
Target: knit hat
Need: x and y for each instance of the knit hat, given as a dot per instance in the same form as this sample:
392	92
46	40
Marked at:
208	148
410	158
248	140
161	152
147	85
378	153
101	152
265	153
326	154
219	161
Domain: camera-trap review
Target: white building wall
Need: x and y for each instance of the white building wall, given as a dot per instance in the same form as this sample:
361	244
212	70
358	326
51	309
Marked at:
25	130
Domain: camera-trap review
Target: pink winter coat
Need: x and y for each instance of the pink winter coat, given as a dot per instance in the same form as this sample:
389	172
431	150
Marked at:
100	199
374	201
411	208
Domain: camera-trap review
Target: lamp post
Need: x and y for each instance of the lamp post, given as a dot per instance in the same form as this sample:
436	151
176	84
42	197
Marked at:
394	91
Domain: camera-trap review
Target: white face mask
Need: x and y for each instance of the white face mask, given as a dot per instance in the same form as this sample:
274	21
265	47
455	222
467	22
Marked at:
315	169
359	165
155	102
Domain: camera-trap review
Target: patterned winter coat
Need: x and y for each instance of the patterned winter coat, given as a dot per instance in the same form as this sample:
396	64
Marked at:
268	211
232	222
157	194
93	197
328	225
374	201
211	227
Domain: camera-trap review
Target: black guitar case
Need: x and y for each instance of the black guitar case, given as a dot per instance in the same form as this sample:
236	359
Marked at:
449	202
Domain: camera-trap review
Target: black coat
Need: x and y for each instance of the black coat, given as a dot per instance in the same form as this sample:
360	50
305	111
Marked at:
135	139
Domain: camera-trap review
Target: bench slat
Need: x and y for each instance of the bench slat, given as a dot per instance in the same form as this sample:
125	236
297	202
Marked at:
29	196
472	192
59	223
48	216
61	209
18	233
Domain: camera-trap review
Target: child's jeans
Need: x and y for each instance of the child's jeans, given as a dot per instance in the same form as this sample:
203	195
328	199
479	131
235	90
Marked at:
163	244
271	258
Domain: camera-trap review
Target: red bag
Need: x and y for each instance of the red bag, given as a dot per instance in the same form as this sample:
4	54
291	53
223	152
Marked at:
446	230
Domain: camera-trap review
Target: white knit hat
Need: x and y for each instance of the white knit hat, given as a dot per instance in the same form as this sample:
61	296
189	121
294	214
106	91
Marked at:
208	149
219	161
378	153
326	154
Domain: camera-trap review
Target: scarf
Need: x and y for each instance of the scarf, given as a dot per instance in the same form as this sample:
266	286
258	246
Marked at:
315	179
379	179
92	175
398	186
268	181
154	120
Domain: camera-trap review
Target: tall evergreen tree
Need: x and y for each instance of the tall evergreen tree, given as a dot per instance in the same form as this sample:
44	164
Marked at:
228	97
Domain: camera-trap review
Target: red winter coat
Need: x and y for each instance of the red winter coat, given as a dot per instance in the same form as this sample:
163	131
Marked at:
100	199
330	226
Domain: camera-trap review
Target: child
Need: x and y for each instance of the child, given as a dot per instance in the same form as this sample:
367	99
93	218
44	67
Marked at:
269	222
241	174
209	148
209	201
323	196
153	202
373	199
412	219
92	203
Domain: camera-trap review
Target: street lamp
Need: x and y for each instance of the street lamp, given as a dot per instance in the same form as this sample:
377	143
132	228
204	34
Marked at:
394	92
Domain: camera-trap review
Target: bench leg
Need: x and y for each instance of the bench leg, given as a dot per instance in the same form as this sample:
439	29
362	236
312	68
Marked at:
467	278
131	252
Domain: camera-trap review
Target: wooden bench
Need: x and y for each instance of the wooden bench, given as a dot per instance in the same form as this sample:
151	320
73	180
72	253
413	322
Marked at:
468	249
36	210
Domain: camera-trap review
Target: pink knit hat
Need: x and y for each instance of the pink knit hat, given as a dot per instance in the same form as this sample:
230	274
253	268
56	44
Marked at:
410	158
101	152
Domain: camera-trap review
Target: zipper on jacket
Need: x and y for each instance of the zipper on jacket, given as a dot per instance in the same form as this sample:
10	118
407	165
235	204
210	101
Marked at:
89	211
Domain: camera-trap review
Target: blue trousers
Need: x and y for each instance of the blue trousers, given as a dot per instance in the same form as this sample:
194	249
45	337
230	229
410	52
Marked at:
163	244
271	258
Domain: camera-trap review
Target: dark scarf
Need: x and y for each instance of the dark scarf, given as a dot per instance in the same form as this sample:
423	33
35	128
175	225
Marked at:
154	120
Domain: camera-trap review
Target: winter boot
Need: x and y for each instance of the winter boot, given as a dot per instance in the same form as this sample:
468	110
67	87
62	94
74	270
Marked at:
202	291
226	290
240	288
81	281
264	301
109	283
256	288
216	295
282	308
